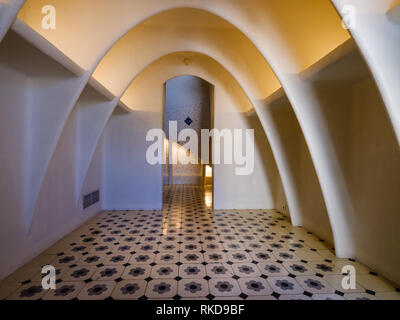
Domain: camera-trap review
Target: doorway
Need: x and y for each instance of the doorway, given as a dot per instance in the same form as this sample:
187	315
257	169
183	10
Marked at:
188	103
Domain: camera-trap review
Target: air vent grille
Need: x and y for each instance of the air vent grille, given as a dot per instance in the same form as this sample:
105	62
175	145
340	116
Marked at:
91	198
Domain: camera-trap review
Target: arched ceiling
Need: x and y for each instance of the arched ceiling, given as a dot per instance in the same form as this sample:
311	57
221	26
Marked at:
258	45
291	31
287	36
171	66
154	38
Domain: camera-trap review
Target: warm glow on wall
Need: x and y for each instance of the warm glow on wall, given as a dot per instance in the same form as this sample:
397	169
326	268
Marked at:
179	152
208	171
208	199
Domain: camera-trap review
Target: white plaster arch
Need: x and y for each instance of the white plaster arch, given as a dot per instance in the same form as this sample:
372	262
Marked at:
240	92
323	156
84	78
334	188
64	118
231	100
325	159
379	41
148	40
282	162
8	12
117	67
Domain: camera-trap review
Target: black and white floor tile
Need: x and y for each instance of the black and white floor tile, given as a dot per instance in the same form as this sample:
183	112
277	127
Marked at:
190	251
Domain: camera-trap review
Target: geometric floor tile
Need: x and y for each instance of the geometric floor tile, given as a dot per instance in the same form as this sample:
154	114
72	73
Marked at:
261	298
219	270
286	256
164	271
327	296
224	287
255	286
261	256
285	285
191	288
91	259
214	256
30	291
246	270
79	273
7	288
298	268
187	250
238	256
64	291
294	297
142	258
336	280
192	271
325	268
308	255
359	296
129	290
314	284
161	288
108	273
373	283
191	257
272	269
116	259
136	272
97	290
166	258
66	260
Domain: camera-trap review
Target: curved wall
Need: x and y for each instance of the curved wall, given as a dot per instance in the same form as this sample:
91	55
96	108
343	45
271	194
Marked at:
50	102
230	105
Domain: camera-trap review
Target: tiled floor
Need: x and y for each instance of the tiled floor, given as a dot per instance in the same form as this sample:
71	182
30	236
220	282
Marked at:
189	251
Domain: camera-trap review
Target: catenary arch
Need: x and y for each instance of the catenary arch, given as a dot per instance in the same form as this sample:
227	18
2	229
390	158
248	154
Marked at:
316	134
265	22
379	42
286	86
337	217
286	173
57	136
117	66
281	160
68	111
230	107
8	11
225	42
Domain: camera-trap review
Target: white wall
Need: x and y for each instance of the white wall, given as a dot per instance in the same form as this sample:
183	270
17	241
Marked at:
14	129
129	181
57	212
254	191
31	87
378	39
267	165
367	151
92	112
303	179
374	179
8	12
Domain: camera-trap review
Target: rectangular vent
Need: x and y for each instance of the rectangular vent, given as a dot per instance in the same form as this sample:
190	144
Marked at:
91	198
